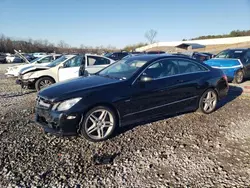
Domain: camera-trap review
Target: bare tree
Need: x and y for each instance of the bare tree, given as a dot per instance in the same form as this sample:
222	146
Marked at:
150	35
62	44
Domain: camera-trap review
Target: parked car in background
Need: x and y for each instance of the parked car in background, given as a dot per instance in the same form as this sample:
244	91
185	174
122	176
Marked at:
116	55
3	58
39	54
12	58
209	54
132	55
64	68
129	91
201	57
235	63
29	57
13	71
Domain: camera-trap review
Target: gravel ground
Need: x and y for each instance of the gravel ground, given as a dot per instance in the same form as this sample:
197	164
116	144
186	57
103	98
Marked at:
188	150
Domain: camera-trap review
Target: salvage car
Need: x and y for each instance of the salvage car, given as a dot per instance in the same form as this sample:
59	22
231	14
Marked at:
13	71
235	63
39	54
12	58
64	68
3	58
129	91
116	55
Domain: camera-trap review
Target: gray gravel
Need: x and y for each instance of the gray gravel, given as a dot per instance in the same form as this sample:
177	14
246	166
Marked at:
188	150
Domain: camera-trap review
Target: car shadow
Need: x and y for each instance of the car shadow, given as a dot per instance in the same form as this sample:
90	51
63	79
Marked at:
233	93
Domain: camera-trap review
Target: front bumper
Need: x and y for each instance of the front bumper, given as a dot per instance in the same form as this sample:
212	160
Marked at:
30	84
57	123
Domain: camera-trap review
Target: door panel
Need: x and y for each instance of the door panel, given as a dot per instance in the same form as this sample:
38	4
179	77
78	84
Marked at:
174	89
68	73
70	69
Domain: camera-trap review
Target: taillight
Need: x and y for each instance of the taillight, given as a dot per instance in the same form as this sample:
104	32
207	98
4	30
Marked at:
225	77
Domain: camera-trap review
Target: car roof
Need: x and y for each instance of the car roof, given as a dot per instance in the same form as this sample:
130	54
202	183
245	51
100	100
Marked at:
238	49
150	57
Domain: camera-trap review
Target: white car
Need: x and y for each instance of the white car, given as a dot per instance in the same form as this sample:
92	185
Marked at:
64	68
39	54
13	71
11	58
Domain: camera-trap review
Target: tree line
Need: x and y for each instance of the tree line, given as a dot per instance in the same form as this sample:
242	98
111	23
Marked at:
7	45
235	33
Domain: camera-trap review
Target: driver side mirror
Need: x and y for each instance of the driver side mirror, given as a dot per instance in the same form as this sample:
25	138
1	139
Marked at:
145	79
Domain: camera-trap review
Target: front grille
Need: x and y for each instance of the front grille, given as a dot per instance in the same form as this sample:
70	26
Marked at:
43	103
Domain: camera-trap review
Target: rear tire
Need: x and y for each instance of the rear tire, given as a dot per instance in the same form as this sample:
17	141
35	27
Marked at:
208	101
99	124
238	77
43	83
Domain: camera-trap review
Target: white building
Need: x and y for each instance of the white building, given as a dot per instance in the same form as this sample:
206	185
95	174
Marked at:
207	44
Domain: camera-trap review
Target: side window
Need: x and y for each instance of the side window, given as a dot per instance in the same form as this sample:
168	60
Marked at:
248	57
74	62
92	60
162	68
186	66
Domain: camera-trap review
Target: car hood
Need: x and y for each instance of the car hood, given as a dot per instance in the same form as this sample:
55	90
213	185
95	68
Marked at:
33	68
224	63
67	89
21	56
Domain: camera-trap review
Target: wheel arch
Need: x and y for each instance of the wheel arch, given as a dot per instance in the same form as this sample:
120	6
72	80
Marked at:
46	76
240	69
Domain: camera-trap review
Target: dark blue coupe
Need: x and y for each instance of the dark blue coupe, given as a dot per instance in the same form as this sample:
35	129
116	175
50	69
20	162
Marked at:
129	91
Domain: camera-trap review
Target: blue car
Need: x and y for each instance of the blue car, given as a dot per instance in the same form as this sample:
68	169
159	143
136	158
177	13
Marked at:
235	63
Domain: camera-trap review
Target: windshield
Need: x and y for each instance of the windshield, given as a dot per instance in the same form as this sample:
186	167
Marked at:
127	56
122	69
232	54
57	61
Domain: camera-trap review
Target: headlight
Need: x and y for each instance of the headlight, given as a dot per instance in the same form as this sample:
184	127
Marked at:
27	75
65	105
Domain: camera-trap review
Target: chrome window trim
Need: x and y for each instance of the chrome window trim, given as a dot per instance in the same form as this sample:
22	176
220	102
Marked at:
175	74
190	98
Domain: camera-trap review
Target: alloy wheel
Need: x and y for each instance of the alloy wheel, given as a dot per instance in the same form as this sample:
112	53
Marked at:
209	101
45	83
239	77
99	124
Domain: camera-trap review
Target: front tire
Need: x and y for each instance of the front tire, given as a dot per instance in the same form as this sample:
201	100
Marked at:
43	83
239	77
208	101
99	124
